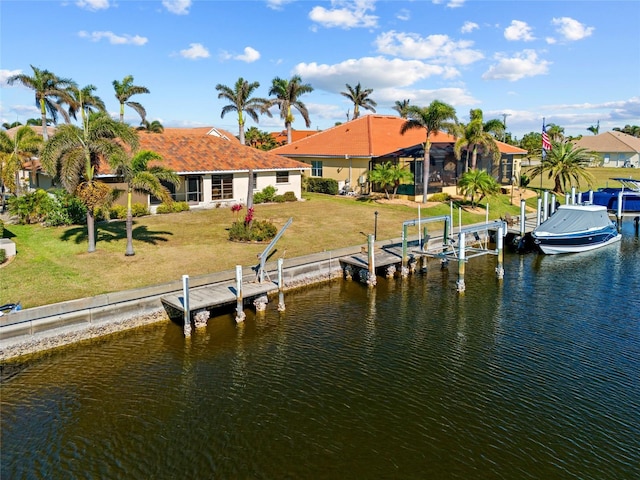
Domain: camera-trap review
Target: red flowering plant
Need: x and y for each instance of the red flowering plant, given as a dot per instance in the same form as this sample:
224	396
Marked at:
249	216
235	208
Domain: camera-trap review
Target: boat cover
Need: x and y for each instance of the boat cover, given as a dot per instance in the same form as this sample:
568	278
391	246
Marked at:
570	219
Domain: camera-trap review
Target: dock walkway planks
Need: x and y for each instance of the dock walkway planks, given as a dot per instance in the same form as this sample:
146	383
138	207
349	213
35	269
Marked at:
218	294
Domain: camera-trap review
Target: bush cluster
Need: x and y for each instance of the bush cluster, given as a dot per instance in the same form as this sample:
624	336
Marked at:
119	212
266	195
51	209
1	229
3	255
173	207
255	231
440	197
322	185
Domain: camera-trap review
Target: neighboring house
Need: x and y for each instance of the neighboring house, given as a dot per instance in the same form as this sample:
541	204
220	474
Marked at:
347	152
213	167
281	137
613	149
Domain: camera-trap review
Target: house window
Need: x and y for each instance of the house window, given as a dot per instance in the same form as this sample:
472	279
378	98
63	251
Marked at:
194	189
282	177
221	187
169	186
316	168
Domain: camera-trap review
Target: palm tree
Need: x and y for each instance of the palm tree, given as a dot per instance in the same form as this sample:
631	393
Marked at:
565	164
260	139
85	101
476	182
240	100
140	177
14	152
287	93
401	107
555	132
8	126
437	116
360	98
477	134
51	93
595	129
152	127
124	91
633	130
75	155
389	175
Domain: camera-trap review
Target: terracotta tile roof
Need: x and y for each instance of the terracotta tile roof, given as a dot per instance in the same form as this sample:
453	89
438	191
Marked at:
201	131
368	136
189	153
610	142
281	137
507	148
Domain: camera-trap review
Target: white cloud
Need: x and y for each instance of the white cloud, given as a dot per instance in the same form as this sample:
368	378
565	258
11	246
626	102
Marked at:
5	74
250	55
93	4
371	72
195	51
179	7
523	64
403	15
439	48
277	4
452	95
571	29
455	3
469	27
114	39
345	14
518	30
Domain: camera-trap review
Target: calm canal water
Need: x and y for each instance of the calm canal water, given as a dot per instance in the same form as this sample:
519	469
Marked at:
537	376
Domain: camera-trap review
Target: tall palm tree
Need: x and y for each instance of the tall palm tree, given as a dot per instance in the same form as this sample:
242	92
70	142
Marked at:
401	107
14	152
595	129
152	127
287	93
360	98
555	132
75	155
51	92
437	116
240	100
85	101
477	182
566	165
140	177
478	134
124	91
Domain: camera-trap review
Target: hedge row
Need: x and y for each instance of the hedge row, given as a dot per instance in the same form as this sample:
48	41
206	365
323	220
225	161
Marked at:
322	185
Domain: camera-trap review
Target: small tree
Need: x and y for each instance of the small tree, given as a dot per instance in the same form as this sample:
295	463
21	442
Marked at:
389	175
477	182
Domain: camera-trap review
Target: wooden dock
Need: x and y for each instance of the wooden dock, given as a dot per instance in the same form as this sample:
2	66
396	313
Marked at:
219	294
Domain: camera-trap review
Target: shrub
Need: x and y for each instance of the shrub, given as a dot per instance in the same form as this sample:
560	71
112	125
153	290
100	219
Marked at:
258	197
139	210
117	211
256	231
323	185
172	207
69	210
1	229
440	197
32	207
101	213
290	197
3	255
279	199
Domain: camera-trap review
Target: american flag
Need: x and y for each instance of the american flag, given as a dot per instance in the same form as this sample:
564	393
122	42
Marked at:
546	144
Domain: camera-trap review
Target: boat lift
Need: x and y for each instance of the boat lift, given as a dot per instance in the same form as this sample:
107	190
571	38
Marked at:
265	254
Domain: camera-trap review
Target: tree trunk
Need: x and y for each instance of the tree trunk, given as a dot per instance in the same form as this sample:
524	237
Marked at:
91	233
250	190
129	227
288	126
425	171
43	113
474	158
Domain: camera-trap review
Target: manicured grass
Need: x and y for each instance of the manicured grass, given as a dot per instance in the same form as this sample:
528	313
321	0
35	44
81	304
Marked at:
52	264
603	178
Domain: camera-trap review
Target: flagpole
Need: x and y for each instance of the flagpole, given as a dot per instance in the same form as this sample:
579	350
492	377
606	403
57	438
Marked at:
543	156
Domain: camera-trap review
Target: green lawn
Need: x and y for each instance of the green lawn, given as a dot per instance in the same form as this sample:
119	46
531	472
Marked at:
52	264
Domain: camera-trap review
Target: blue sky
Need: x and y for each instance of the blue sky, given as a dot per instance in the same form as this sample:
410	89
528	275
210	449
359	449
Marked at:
572	62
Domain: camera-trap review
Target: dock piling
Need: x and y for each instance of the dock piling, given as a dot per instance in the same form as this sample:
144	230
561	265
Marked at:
371	278
281	307
185	299
460	286
500	248
240	315
523	218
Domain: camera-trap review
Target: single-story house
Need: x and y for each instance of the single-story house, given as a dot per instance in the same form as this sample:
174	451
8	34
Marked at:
347	152
213	167
613	149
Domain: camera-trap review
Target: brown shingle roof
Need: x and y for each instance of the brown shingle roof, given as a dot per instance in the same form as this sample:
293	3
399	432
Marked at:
610	142
186	152
368	136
